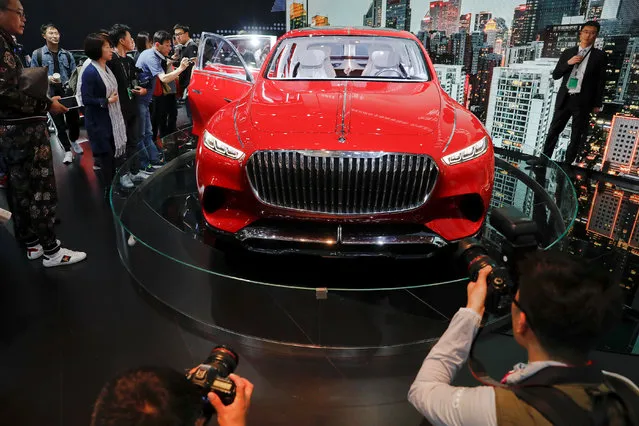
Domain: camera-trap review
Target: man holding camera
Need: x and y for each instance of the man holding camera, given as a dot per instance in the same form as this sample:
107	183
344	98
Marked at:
162	396
60	65
558	314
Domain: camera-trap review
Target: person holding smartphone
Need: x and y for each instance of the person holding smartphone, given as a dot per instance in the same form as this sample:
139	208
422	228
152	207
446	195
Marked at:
189	51
129	88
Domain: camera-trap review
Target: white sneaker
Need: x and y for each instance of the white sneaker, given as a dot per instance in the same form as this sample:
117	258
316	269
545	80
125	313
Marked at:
68	158
36	251
126	182
77	148
63	257
139	176
131	241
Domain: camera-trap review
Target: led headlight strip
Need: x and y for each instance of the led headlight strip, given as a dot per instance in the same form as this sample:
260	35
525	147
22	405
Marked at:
219	147
475	150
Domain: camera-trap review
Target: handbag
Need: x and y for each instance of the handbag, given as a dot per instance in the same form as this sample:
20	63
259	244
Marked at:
34	82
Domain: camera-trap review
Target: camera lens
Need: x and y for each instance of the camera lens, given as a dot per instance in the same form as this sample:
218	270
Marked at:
223	360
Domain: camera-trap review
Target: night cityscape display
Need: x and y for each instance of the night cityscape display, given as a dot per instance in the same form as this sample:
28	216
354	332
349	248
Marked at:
500	67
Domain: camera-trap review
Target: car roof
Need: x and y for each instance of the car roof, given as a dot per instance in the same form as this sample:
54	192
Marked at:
353	31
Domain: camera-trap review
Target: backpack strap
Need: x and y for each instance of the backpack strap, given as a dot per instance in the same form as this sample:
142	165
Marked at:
627	395
38	56
555	405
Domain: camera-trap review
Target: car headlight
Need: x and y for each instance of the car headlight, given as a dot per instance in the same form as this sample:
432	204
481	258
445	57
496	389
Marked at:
475	150
216	145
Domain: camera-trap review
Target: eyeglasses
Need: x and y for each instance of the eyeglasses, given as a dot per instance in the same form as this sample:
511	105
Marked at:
522	309
18	12
178	34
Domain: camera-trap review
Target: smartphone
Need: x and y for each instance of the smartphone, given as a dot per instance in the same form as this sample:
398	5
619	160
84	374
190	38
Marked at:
70	102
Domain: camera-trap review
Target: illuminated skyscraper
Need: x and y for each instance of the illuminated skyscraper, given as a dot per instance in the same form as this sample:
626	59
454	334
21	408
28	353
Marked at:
480	20
320	21
614	214
522	101
628	85
595	8
398	14
519	26
442	16
452	80
615	47
373	17
482	81
558	38
298	16
621	154
464	22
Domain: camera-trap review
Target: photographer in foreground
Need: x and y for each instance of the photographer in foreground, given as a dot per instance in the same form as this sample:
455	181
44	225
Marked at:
155	396
558	314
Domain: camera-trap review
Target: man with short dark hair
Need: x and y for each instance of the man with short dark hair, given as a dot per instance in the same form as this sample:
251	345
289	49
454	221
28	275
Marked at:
559	313
583	70
24	143
126	75
161	396
60	64
188	50
150	62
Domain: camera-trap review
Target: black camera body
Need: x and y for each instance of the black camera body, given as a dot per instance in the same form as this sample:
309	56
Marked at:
520	238
212	376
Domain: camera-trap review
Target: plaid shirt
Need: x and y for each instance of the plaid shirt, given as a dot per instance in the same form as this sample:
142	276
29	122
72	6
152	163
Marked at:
13	103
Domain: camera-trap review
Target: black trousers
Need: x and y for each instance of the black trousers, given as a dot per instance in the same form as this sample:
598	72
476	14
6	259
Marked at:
571	107
164	118
133	136
32	190
69	121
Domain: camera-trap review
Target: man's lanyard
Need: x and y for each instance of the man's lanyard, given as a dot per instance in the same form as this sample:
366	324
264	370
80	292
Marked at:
584	58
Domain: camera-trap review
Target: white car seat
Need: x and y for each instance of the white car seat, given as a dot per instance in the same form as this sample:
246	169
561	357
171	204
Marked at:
383	63
312	64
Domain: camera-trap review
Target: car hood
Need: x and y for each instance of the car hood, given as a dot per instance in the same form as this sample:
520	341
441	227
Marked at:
345	107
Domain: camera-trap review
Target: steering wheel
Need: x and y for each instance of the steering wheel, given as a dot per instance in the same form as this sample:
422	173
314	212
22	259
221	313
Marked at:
401	72
380	72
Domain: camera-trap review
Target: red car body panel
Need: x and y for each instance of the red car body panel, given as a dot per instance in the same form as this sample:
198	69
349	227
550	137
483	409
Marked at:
409	117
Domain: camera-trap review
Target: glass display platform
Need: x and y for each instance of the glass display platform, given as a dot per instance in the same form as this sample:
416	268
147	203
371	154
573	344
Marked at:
378	305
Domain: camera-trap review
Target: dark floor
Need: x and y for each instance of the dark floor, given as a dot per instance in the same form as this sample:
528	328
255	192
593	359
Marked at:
68	330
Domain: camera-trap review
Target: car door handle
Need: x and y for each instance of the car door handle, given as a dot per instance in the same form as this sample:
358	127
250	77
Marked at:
228	100
197	92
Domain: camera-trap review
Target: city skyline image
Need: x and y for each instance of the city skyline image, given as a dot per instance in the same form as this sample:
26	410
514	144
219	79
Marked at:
351	13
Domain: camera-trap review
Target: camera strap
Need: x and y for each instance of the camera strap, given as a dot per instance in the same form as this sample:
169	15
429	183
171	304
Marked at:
475	366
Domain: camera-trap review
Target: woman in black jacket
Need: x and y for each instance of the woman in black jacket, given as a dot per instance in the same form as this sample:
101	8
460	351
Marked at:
103	118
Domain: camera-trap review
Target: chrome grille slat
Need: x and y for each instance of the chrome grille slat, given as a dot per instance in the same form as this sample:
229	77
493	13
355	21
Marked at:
341	183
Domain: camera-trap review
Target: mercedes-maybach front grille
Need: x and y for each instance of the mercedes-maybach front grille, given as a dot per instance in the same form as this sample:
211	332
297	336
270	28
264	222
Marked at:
342	183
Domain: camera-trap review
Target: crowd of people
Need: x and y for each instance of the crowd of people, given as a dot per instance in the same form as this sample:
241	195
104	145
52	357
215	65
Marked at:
128	92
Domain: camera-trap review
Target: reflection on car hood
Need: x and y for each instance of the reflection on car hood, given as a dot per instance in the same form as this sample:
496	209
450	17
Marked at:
345	107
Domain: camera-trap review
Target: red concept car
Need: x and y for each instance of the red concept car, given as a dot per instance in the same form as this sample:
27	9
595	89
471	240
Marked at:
335	141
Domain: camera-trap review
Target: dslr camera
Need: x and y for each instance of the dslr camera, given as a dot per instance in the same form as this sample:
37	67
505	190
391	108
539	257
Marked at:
520	238
212	376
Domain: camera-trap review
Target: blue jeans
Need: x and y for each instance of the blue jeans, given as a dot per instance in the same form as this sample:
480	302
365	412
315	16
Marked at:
148	151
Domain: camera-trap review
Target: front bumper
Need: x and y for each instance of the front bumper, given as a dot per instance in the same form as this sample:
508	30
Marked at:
336	240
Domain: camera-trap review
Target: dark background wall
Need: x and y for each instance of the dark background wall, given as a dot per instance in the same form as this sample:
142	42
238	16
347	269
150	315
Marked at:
77	18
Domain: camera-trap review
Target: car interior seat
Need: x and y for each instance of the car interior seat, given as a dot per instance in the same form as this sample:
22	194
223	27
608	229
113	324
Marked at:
312	64
383	63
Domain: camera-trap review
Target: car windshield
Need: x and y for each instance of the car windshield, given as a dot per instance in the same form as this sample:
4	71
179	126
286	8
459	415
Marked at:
348	57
